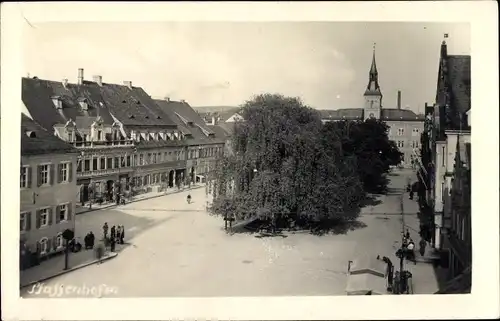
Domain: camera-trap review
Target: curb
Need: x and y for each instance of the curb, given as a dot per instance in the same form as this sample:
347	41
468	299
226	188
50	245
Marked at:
105	258
137	200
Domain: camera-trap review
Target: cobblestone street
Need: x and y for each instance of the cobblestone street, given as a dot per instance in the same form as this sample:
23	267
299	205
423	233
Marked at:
177	249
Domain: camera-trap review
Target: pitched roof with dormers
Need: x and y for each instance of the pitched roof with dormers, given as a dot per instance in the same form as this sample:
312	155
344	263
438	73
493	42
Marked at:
132	107
189	122
36	140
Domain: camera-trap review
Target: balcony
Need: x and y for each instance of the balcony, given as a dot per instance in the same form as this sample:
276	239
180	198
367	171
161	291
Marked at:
104	172
103	144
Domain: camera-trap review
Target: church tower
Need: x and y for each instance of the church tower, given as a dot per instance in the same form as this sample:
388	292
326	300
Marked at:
373	95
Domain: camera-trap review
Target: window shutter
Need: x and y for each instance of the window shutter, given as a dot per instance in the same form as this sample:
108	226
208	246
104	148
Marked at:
29	171
58	216
38	219
69	212
49	244
51	174
28	221
70	172
50	214
59	169
39	175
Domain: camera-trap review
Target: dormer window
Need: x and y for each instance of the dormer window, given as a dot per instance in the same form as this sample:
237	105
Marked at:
71	135
57	101
99	135
31	134
83	103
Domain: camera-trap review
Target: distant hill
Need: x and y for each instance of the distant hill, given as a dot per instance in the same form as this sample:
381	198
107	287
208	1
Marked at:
219	109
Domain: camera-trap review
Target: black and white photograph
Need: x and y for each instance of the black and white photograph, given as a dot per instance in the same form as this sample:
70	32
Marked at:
231	159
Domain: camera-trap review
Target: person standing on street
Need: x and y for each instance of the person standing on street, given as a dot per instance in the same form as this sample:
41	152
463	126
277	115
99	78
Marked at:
422	244
122	234
105	229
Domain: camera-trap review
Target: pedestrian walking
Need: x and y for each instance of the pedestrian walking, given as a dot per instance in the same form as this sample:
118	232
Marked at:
113	233
411	251
407	234
423	245
105	229
122	234
118	234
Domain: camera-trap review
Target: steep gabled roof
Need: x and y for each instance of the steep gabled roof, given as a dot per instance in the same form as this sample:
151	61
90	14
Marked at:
37	96
183	114
346	113
134	107
394	114
459	76
35	140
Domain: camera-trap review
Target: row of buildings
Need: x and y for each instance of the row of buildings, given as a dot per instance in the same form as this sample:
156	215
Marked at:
445	170
90	140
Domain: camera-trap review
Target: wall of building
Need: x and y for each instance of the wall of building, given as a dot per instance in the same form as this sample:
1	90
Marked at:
409	139
35	197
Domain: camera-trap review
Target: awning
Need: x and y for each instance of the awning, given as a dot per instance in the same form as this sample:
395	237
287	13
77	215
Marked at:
366	284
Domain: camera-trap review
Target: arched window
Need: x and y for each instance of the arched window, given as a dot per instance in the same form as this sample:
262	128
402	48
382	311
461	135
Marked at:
44	245
59	241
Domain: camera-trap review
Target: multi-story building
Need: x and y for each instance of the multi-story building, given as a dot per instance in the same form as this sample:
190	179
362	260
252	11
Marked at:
446	124
47	190
404	125
202	144
126	140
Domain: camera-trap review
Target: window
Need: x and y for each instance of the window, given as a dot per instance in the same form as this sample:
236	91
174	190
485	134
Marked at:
25	172
63	172
71	136
128	161
59	241
148	159
141	159
44	217
44	245
135	160
86	167
160	157
166	156
401	143
442	155
99	135
414	144
23	223
63	212
109	162
415	131
117	162
102	163
154	158
190	154
44	174
94	164
79	166
122	161
401	131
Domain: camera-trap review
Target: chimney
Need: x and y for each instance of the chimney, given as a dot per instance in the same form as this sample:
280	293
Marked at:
65	83
98	80
167	99
399	99
183	101
128	84
80	76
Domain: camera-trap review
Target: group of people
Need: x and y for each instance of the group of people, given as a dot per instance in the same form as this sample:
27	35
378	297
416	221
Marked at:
116	234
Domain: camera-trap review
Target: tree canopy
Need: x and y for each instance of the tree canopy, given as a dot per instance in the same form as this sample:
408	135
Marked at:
285	162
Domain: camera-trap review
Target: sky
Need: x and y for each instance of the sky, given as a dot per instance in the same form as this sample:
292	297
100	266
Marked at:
326	64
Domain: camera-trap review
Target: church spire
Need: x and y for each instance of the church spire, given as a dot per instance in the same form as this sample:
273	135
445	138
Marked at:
373	88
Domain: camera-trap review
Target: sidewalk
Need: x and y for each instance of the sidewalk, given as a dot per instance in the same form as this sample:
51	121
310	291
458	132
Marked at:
141	197
53	267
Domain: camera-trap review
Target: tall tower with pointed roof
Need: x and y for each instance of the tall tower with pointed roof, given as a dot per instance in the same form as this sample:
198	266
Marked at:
373	95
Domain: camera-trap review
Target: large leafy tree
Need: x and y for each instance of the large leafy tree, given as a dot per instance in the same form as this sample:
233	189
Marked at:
368	142
286	163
